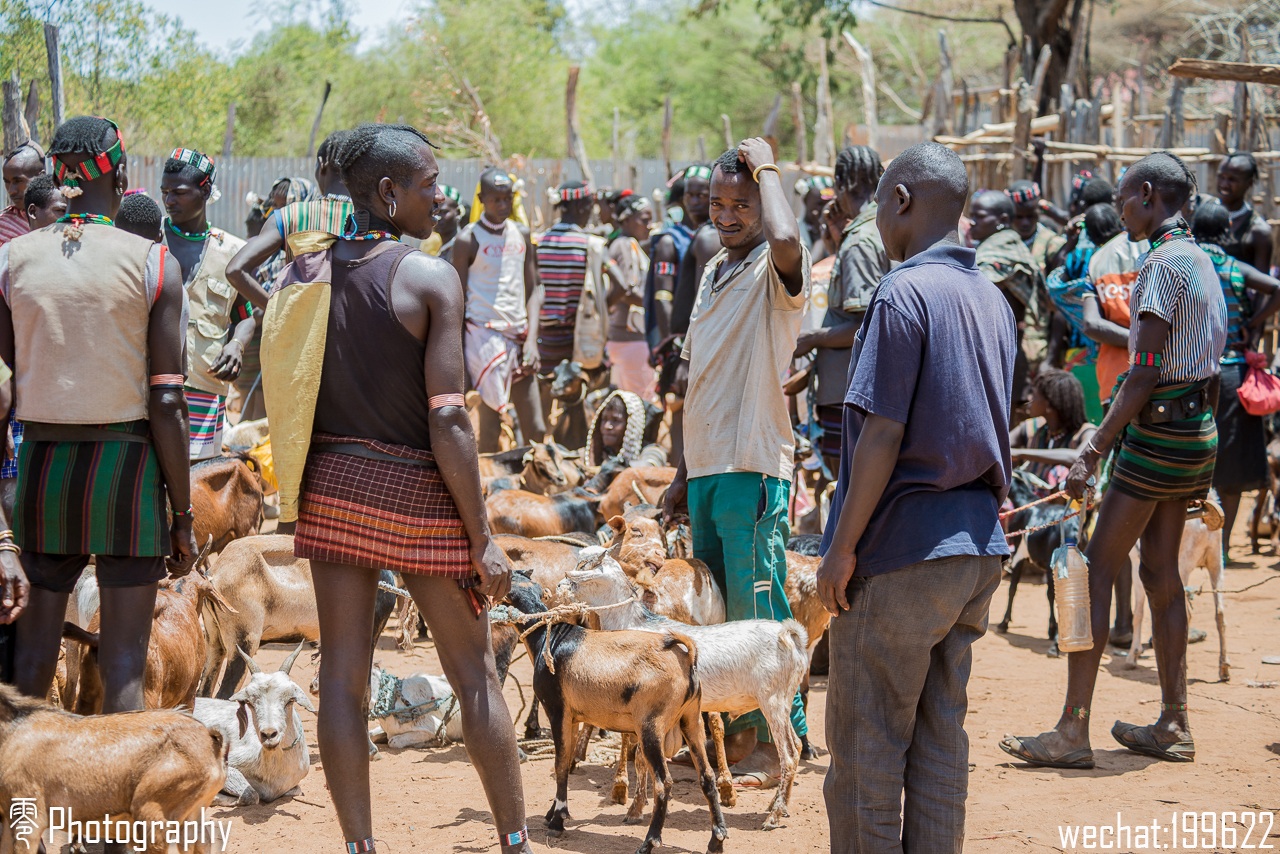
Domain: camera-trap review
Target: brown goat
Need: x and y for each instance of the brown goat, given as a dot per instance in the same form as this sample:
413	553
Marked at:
175	654
152	766
226	498
515	511
680	589
642	482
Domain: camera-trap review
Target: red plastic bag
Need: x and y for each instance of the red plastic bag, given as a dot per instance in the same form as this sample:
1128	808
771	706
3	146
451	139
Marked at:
1260	391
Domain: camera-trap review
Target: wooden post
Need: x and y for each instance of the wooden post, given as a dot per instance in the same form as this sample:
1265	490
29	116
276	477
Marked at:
666	135
797	115
770	129
229	135
577	149
870	117
617	150
824	145
728	131
315	126
1239	129
1001	112
1028	99
55	72
1171	129
943	106
1210	70
31	113
15	132
1076	57
702	148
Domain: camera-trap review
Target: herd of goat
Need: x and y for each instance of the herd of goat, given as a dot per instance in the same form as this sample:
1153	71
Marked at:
625	631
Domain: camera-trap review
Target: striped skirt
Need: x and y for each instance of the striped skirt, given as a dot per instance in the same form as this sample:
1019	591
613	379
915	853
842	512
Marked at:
208	416
831	423
379	513
1167	462
104	498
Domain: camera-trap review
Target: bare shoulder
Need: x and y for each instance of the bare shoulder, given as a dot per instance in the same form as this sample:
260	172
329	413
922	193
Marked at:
429	276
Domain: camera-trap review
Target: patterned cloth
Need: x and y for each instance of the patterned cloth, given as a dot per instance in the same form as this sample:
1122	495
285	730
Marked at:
562	269
1167	462
13	223
328	214
632	437
1005	260
380	514
208	416
104	498
1233	292
1178	283
9	468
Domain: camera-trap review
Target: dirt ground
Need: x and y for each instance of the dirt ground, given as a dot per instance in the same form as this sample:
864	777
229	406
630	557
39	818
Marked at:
431	800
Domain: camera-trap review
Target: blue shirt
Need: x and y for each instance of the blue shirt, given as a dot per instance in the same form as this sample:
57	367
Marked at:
935	353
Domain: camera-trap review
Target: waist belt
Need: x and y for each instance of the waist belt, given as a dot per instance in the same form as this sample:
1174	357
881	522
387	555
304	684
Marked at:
134	431
355	449
1193	404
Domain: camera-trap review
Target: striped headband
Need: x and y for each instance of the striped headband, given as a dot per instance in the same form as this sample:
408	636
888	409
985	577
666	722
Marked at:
1080	178
201	162
573	194
1022	197
70	175
703	172
451	193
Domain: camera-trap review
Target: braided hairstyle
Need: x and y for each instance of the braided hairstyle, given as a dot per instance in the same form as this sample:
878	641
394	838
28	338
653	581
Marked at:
87	135
1168	176
332	143
1211	223
375	151
1064	395
858	168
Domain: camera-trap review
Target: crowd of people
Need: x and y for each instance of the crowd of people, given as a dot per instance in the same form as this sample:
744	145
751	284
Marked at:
882	338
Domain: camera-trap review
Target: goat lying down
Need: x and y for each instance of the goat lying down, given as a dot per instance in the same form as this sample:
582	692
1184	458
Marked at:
149	766
268	754
642	683
742	665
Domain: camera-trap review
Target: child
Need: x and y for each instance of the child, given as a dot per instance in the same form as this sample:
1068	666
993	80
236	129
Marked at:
140	215
43	201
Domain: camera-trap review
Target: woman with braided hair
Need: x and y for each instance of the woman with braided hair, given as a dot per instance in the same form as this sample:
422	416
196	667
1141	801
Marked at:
364	380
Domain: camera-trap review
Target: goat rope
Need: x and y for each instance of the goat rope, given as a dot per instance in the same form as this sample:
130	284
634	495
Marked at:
545	619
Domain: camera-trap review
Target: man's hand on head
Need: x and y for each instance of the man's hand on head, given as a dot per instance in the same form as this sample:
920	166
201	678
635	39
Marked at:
755	152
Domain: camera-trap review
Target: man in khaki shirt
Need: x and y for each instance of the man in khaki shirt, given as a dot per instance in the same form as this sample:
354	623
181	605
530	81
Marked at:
738	451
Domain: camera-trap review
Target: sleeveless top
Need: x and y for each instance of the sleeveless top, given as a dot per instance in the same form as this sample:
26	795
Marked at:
372	384
681	236
1239	309
1236	243
495	282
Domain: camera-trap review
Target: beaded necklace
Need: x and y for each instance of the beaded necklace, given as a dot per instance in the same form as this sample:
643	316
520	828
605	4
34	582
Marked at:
193	236
371	235
1172	232
82	218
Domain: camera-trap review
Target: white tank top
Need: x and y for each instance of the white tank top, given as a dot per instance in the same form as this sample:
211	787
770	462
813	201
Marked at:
495	283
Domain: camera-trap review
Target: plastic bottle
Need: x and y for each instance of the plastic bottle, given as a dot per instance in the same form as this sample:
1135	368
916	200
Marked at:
1071	591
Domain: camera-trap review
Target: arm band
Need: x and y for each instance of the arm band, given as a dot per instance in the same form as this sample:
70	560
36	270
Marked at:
1147	360
664	268
167	380
663	296
442	400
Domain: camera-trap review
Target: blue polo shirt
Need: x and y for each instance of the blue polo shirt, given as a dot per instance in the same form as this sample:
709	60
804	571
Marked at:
935	353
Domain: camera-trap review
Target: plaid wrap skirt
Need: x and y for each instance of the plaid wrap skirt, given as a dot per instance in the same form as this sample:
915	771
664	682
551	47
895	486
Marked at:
380	513
105	498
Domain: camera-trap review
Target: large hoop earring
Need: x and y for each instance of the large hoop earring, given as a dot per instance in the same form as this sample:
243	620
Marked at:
391	211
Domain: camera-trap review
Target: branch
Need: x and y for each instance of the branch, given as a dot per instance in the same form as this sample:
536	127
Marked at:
957	19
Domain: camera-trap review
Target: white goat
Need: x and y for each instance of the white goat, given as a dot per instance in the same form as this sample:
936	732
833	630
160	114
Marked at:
268	749
742	665
1201	547
410	711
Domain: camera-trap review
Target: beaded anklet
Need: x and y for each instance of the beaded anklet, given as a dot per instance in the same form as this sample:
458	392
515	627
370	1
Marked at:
1173	707
1077	712
520	837
360	847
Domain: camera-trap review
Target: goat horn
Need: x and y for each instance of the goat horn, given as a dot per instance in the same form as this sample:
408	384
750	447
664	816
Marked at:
253	665
204	552
288	662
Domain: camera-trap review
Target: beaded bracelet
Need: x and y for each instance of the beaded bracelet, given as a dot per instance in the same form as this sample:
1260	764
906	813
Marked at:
189	513
1147	360
360	847
518	838
1174	707
1077	712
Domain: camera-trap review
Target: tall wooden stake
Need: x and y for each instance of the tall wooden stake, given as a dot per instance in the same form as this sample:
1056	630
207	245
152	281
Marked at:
869	115
728	131
577	149
666	135
824	145
55	72
1028	98
31	113
315	126
797	115
770	129
15	131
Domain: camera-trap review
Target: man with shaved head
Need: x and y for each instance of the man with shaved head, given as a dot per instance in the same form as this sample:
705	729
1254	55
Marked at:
913	545
1004	258
20	166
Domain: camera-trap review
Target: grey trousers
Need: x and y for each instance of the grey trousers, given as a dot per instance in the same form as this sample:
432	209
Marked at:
896	702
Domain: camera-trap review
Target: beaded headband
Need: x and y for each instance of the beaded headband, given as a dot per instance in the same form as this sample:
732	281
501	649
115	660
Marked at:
451	193
573	194
1080	179
201	162
703	172
1022	197
94	167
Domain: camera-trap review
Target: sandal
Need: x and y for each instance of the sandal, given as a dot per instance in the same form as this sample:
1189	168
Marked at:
756	780
1142	739
1032	751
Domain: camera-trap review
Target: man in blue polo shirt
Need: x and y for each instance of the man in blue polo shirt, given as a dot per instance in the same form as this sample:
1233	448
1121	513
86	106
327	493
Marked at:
913	546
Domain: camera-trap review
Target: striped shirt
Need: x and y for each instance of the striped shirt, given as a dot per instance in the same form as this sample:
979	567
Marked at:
1231	277
1178	284
13	223
328	214
562	268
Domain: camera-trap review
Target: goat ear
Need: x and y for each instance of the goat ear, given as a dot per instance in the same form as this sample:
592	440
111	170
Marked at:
253	665
293	656
617	523
242	715
304	701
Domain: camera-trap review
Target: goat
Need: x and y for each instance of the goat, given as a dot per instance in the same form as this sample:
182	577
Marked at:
680	589
274	601
805	544
175	653
226	499
1036	549
1201	547
412	711
743	665
150	766
644	683
548	470
515	511
646	484
255	723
